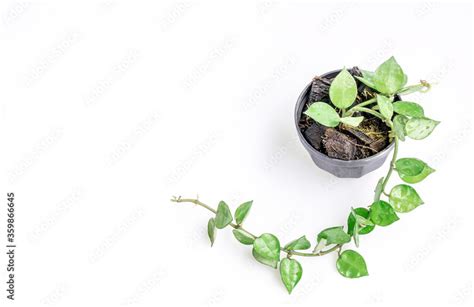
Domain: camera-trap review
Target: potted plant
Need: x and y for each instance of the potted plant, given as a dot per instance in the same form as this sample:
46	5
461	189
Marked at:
338	108
347	119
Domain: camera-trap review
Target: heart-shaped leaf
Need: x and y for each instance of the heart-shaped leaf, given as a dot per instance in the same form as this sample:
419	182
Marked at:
343	90
290	272
351	264
266	250
223	215
409	166
382	214
352	121
242	211
408	108
404	198
351	221
334	235
323	113
412	170
399	123
298	244
211	230
243	237
420	128
385	106
389	77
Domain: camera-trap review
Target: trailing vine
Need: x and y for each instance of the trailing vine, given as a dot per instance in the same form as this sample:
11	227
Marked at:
388	80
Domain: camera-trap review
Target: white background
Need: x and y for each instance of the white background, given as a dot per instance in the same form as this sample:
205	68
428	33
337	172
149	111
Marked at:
108	109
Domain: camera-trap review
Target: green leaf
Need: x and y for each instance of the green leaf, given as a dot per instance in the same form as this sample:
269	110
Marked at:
351	221
352	121
351	264
323	113
399	123
389	77
378	189
266	250
382	214
243	237
223	215
242	211
404	198
409	166
385	106
343	90
211	230
290	272
412	170
334	235
408	108
420	128
298	244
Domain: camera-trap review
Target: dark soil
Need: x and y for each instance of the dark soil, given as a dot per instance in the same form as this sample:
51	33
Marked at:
344	142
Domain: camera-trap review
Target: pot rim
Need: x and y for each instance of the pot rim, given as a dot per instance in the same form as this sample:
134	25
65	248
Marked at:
310	147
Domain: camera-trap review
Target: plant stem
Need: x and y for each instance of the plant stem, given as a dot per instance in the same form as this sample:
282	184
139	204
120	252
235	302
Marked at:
321	253
199	203
362	104
235	226
392	165
367	110
367	102
292	252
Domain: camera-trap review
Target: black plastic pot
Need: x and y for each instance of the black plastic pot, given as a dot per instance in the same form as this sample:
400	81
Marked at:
339	168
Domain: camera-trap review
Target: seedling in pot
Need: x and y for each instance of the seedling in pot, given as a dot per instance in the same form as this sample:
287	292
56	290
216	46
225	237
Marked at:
388	80
350	120
409	120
